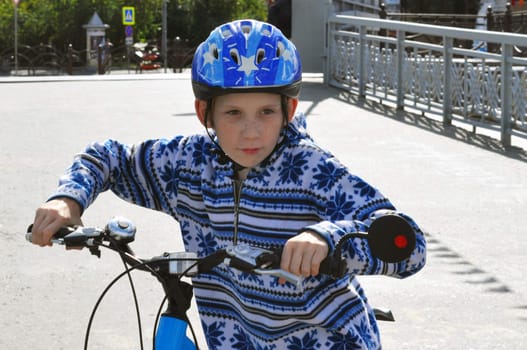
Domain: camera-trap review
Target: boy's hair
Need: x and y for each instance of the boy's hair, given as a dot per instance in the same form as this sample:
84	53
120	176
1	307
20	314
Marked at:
246	56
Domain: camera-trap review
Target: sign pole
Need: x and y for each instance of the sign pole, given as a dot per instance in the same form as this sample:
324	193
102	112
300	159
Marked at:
164	35
128	22
16	35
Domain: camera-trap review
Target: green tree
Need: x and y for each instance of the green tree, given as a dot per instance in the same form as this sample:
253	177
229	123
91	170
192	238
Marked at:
192	20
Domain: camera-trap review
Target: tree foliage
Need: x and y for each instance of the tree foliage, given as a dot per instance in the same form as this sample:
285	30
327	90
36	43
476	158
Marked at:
59	22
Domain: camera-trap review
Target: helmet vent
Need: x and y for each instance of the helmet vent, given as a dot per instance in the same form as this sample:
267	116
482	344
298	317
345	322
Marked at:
235	56
260	56
246	28
213	49
226	33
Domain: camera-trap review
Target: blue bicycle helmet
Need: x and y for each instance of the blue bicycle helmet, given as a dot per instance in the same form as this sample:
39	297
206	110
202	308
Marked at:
246	56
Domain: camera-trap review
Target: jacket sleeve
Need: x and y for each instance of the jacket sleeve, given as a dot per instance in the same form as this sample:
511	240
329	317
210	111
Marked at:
351	206
131	172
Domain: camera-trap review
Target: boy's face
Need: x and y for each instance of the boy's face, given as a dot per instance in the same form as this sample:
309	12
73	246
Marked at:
247	124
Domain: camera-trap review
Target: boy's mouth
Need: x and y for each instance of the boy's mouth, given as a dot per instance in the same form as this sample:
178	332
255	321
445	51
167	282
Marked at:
250	151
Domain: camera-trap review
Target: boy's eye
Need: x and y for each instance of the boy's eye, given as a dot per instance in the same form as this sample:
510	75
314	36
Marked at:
268	111
232	112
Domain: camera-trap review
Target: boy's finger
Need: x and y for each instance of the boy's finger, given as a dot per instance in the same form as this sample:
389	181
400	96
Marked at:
285	258
316	260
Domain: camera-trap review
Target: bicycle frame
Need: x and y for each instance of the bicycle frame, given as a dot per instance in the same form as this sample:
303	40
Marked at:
172	334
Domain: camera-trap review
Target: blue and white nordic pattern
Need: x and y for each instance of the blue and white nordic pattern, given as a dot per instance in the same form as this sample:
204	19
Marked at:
299	186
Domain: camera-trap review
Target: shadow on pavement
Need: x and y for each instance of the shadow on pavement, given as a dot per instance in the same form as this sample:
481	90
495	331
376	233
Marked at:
470	273
317	92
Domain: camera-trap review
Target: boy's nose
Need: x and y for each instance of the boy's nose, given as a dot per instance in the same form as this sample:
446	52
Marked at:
251	129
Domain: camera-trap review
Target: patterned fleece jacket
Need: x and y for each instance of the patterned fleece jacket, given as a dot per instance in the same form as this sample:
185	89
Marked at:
300	186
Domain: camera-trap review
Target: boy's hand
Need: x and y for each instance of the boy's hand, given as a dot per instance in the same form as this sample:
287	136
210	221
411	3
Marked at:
53	215
303	254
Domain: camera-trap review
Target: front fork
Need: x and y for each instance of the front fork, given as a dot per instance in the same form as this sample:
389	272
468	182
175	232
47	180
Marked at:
171	333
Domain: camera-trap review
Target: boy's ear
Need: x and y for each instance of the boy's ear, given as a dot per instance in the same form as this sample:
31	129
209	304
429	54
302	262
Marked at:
292	103
201	109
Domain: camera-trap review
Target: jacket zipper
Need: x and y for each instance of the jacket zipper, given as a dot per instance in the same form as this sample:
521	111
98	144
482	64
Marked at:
238	184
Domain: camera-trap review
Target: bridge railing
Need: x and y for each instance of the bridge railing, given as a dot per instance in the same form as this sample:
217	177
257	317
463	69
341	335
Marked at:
407	68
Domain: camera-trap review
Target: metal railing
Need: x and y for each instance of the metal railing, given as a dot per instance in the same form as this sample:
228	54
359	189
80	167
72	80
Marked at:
483	89
48	60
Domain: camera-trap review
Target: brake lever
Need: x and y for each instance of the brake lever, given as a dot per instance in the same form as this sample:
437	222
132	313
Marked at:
260	261
248	258
288	276
83	236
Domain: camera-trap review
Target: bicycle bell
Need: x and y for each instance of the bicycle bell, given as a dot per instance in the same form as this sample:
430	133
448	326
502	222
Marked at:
121	229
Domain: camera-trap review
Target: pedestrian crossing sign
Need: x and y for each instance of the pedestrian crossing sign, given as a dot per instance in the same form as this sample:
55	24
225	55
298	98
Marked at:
128	15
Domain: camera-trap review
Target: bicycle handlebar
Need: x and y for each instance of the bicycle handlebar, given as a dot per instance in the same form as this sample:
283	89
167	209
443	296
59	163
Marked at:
391	239
120	231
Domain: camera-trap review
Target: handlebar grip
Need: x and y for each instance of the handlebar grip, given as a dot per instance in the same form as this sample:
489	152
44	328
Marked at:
61	233
29	233
333	266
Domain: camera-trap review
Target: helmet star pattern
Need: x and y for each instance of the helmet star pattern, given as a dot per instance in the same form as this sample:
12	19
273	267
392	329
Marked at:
208	56
247	65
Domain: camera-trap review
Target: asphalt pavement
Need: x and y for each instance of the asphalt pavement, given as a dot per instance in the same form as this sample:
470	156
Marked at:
466	191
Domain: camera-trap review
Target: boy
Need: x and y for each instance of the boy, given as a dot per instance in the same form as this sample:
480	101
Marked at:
255	178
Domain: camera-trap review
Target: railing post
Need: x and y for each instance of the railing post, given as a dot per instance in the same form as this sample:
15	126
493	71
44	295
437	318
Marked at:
69	60
328	45
400	69
507	20
447	80
382	15
491	47
362	61
100	67
490	18
506	94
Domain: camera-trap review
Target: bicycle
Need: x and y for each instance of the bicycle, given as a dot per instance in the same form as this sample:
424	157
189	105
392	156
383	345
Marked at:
390	237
